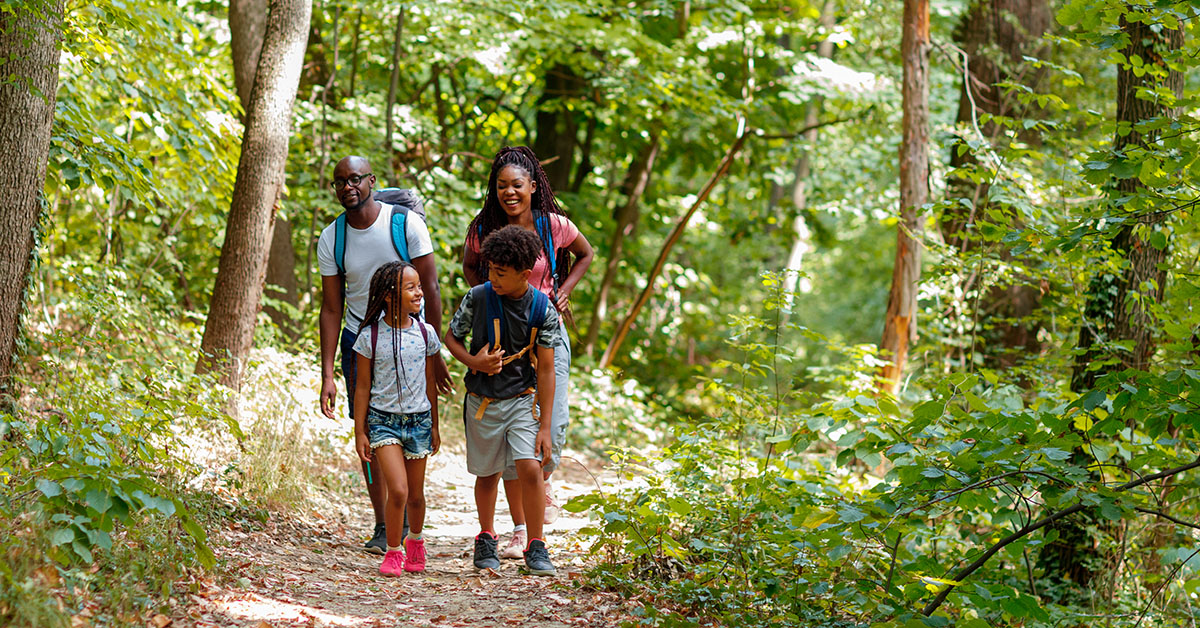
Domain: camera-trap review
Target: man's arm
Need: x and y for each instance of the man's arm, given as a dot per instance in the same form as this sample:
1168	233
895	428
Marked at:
330	331
427	269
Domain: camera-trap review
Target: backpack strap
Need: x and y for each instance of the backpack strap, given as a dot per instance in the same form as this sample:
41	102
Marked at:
339	245
374	341
424	333
546	233
537	318
399	224
495	316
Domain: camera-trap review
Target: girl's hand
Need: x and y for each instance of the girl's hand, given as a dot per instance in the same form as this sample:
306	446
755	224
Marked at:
362	445
437	441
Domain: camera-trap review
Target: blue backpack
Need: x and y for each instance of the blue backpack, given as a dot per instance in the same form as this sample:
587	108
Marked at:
402	201
542	225
495	315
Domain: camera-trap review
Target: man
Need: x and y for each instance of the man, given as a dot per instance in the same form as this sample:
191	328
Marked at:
368	246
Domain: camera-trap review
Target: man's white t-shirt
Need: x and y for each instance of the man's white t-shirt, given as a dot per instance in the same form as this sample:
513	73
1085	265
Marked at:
367	250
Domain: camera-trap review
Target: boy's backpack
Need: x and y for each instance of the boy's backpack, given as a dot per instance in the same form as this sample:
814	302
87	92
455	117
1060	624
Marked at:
495	315
546	233
402	201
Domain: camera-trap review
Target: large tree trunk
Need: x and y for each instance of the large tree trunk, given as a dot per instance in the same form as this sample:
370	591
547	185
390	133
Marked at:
29	38
900	322
229	331
247	26
636	180
390	124
1114	311
1015	27
557	129
802	244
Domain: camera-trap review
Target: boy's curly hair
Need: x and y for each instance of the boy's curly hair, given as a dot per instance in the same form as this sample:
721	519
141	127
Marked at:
512	246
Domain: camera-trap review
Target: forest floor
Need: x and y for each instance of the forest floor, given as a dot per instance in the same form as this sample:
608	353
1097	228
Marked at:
309	569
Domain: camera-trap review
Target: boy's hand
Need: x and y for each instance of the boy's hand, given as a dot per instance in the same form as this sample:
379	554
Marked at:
542	445
489	361
362	445
437	441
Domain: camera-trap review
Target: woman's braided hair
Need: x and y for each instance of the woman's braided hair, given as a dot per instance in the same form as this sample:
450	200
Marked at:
492	216
385	281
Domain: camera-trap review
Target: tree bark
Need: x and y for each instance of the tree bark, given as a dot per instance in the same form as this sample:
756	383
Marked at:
557	129
229	331
247	26
636	181
1112	312
390	124
801	245
1014	27
619	337
354	53
29	39
900	322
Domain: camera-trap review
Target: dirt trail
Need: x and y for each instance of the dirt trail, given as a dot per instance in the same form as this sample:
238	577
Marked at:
310	570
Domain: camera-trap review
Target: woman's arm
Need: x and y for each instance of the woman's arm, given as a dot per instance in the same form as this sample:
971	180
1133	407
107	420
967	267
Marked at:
582	250
471	264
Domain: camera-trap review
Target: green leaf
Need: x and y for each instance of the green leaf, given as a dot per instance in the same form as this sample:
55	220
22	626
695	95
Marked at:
49	488
62	536
98	500
850	514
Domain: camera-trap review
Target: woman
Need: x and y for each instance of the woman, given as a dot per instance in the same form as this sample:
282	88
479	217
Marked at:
519	194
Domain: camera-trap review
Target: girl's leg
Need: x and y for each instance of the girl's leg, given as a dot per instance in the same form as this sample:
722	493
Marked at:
415	470
391	464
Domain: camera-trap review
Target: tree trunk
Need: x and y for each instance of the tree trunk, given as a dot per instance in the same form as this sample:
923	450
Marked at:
636	180
229	331
585	155
801	245
247	26
1116	314
354	53
614	345
390	124
1014	27
900	323
1114	310
29	38
557	129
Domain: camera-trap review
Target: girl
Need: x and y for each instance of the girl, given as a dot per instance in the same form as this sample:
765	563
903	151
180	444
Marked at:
395	405
518	193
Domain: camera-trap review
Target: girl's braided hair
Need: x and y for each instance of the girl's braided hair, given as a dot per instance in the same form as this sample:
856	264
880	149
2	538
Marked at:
492	216
385	282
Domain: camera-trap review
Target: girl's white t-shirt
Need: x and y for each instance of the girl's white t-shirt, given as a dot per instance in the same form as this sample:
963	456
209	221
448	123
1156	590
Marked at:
398	385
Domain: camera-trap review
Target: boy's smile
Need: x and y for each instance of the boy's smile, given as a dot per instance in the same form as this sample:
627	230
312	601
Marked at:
508	282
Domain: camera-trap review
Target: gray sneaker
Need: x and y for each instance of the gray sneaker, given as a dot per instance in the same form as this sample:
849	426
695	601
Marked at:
378	542
485	551
537	559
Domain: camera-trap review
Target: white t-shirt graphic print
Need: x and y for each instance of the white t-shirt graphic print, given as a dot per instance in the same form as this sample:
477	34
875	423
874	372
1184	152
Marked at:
399	390
367	250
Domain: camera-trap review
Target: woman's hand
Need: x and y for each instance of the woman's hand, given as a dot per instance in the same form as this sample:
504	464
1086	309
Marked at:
562	299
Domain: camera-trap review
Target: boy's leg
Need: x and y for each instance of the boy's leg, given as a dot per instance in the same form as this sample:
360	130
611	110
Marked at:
529	475
485	501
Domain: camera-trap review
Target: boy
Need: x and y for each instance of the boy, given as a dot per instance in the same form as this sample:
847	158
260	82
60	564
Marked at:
514	330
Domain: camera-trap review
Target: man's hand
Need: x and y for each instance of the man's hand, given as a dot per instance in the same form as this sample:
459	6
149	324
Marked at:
441	375
328	396
362	445
488	360
542	446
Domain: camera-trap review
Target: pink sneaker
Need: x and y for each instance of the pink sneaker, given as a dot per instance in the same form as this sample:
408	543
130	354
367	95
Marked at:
393	563
414	561
552	508
516	545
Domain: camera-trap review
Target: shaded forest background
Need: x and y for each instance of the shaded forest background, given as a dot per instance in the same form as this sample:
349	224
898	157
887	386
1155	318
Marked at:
891	320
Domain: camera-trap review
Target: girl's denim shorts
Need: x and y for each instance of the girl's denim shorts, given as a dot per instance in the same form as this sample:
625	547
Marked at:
413	432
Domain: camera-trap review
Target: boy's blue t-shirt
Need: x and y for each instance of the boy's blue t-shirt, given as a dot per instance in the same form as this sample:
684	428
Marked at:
519	375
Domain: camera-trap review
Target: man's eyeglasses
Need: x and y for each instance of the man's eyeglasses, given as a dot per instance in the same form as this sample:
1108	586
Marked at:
340	184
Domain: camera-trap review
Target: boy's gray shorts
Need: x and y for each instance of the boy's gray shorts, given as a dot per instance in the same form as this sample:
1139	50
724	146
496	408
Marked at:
506	433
